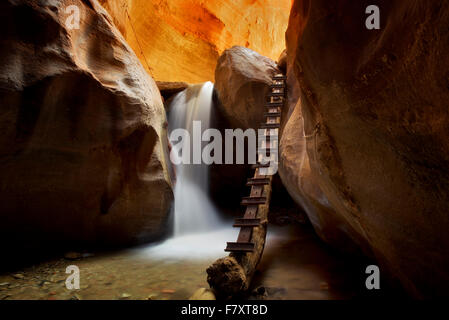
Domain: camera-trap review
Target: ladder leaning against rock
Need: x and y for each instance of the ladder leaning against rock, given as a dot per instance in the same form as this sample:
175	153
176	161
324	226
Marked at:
231	276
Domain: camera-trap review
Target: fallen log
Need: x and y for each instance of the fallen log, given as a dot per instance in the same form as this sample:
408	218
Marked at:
231	276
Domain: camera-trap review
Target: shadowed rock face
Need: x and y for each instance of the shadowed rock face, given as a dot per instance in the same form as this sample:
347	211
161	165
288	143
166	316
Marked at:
83	143
242	79
375	107
182	39
168	89
282	61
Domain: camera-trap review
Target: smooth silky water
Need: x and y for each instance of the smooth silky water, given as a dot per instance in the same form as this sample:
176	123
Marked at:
199	230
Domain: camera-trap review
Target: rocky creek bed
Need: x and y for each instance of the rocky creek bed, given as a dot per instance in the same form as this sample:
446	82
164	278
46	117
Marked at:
295	265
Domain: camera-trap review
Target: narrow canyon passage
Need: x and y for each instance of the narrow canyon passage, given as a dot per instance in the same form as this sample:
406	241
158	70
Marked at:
114	116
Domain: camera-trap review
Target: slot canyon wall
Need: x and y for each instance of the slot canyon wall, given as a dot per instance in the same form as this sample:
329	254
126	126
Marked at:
374	163
83	145
183	39
365	143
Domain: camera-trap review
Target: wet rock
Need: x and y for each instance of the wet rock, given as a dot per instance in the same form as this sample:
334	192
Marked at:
282	61
275	291
259	293
203	294
170	291
76	296
168	89
18	276
84	146
125	295
73	255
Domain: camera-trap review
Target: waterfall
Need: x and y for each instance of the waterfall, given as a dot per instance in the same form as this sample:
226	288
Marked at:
193	210
199	232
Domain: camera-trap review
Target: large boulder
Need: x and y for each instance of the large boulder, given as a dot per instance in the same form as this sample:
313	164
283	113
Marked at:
181	40
374	104
83	145
242	79
169	89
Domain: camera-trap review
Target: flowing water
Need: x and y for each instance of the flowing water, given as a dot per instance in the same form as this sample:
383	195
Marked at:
199	231
193	210
295	264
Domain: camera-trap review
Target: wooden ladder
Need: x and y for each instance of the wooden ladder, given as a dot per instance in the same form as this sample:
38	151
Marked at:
272	114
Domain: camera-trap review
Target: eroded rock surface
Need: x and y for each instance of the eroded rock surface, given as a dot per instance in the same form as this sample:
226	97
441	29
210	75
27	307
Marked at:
83	145
282	61
181	40
168	89
296	175
242	80
374	104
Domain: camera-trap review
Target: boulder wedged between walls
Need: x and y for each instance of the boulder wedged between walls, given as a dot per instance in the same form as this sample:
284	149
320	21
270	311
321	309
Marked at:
84	155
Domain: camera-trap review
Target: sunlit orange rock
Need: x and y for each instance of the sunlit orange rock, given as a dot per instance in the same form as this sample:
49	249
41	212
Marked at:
181	40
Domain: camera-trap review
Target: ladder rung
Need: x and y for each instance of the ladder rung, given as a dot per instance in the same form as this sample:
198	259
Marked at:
272	114
276	94
268	137
254	198
267	151
247	222
258	181
274	104
270	125
258	178
260	165
247	201
276	99
239	247
277	85
280	77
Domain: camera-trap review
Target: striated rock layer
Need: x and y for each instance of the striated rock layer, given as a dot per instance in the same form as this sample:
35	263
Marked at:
182	39
83	145
375	113
300	182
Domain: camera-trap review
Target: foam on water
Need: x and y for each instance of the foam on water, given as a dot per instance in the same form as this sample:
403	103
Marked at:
199	232
207	245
